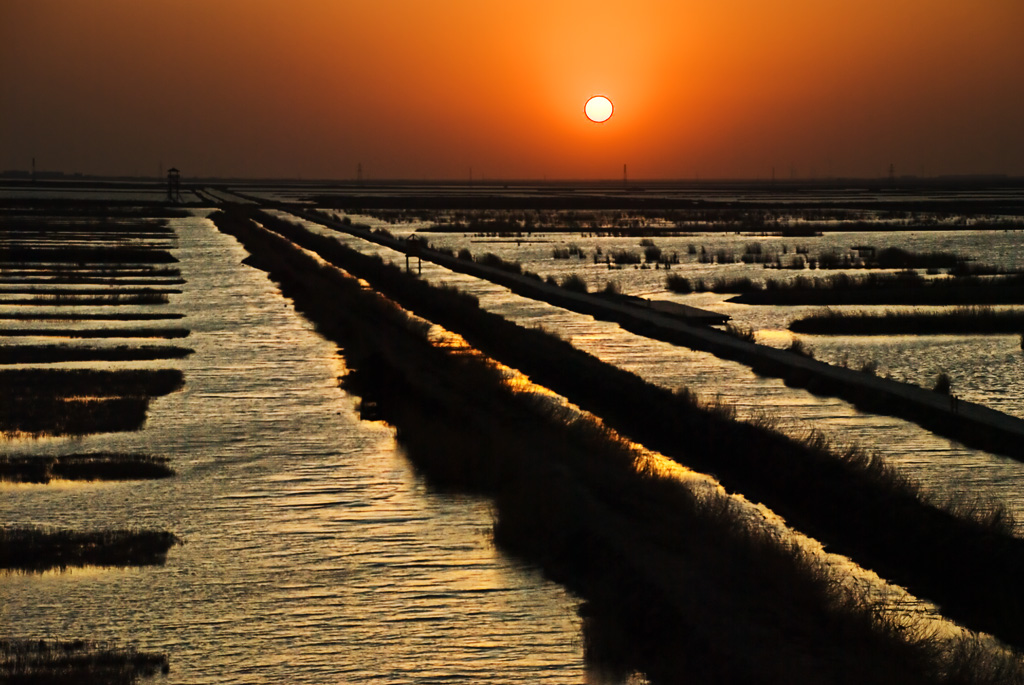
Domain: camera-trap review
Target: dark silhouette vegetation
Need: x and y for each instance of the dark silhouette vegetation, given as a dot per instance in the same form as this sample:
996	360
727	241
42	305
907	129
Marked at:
43	354
61	292
677	584
959	320
68	300
73	662
904	287
168	333
839	494
86	255
80	401
89	466
40	549
88	316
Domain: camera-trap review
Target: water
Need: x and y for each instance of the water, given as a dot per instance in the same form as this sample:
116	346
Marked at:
945	468
312	552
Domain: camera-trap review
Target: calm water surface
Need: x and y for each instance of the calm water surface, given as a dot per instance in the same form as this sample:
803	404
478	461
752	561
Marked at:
313	553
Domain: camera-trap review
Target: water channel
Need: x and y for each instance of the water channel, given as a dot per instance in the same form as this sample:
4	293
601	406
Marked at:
312	551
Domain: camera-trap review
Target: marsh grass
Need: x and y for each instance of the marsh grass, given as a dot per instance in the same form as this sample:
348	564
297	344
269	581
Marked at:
903	287
80	401
90	382
90	466
65	300
62	292
73	662
167	333
984	320
574	283
41	354
68	299
87	255
696	584
38	549
39	280
115	272
88	316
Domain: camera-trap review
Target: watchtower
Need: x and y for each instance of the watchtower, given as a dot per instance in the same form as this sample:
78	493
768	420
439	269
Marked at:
173	185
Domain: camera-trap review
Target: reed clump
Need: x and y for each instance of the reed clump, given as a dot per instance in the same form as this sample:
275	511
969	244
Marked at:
69	300
81	292
574	283
88	316
37	548
71	662
903	287
39	354
168	333
80	401
87	255
89	466
984	320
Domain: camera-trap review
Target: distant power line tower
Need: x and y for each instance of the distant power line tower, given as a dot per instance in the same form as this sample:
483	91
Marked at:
359	172
892	171
173	185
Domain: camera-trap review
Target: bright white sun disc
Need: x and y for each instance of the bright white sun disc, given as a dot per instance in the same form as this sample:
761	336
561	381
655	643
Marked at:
598	109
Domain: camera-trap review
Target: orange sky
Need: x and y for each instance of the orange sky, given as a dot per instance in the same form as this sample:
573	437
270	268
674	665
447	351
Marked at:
434	88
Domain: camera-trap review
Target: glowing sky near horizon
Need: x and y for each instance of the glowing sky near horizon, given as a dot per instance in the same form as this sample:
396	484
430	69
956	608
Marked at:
432	90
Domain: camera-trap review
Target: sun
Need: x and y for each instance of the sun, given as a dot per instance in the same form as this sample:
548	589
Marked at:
598	109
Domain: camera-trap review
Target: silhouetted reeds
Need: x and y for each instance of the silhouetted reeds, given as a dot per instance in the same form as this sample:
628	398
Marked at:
61	292
87	255
42	549
959	320
67	300
91	466
88	316
90	382
84	272
80	401
74	662
722	284
905	287
574	283
43	354
168	333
